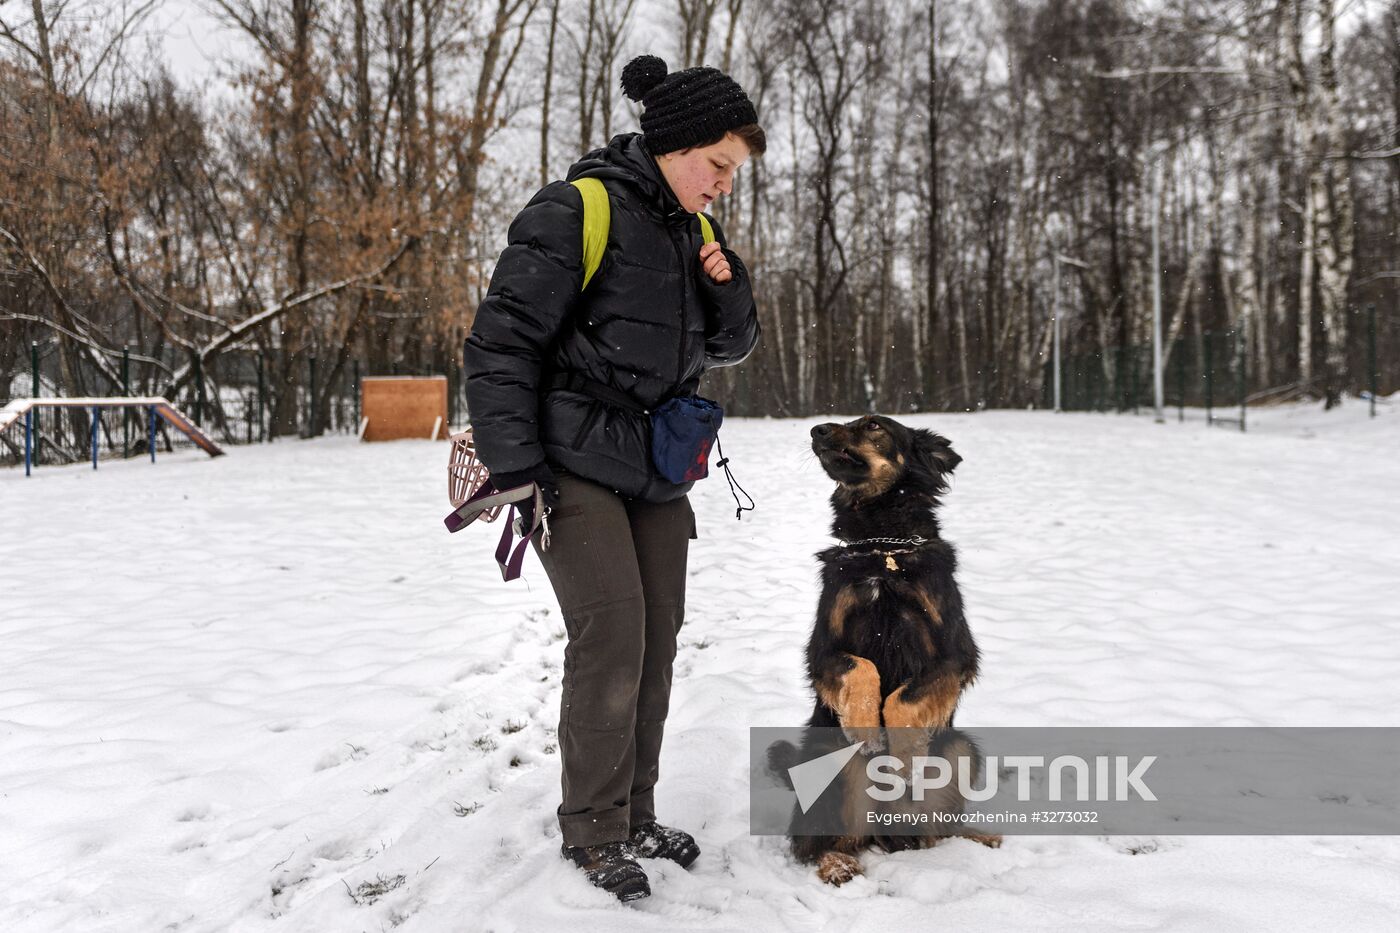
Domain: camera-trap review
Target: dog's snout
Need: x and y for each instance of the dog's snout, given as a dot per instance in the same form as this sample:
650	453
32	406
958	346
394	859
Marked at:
823	431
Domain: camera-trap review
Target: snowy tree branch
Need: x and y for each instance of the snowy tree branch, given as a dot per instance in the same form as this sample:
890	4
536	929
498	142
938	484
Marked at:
240	330
54	325
1119	74
86	340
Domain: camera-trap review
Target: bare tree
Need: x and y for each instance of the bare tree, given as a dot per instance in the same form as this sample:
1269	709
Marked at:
695	17
925	164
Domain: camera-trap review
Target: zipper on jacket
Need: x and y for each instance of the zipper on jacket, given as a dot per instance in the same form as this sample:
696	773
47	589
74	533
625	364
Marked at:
680	343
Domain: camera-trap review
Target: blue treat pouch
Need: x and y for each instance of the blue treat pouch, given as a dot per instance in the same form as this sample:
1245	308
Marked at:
682	432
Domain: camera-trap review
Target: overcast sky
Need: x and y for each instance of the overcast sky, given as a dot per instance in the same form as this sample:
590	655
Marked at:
192	39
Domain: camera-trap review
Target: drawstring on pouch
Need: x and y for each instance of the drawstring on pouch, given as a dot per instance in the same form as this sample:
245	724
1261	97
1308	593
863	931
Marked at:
733	484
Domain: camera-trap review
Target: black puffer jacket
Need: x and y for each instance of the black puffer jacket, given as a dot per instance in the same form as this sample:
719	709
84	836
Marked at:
650	323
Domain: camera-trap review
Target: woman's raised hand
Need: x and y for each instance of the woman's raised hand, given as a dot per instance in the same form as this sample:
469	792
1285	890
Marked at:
714	263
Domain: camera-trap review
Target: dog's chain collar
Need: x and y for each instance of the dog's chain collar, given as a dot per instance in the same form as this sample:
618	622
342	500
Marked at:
910	545
917	541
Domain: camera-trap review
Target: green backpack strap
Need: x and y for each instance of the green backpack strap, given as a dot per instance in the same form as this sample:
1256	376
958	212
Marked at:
597	217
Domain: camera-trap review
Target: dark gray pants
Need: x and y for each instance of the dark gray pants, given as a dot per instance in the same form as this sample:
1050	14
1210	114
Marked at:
618	568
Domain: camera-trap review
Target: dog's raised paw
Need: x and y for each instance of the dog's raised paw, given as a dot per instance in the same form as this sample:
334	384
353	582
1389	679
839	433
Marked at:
837	867
872	740
781	757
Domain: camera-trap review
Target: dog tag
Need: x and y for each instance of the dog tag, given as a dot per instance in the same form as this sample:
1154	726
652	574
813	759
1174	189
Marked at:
889	562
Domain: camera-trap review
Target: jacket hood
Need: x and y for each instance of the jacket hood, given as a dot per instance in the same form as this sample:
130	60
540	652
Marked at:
627	159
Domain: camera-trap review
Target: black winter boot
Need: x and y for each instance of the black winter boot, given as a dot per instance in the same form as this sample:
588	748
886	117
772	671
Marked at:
612	867
652	840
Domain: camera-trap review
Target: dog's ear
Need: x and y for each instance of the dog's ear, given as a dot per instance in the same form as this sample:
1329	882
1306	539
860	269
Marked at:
935	451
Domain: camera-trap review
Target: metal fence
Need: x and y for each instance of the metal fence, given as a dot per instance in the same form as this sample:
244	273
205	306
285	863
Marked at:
1207	372
234	400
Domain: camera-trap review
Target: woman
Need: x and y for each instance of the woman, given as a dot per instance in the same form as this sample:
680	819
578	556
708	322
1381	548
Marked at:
559	383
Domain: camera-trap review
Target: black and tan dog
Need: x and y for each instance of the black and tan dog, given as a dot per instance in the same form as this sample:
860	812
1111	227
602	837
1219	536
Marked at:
890	647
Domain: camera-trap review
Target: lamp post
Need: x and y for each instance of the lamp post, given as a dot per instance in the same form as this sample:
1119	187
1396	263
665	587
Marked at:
1157	392
1055	314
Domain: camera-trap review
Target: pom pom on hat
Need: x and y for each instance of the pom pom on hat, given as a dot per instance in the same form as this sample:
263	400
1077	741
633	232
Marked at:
642	74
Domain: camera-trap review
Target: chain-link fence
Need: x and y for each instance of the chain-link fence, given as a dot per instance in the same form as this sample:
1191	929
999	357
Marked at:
1207	372
1211	371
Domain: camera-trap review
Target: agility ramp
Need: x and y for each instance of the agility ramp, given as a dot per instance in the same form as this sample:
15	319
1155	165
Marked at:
14	412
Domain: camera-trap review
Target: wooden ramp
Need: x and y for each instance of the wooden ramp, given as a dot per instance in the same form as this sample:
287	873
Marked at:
13	413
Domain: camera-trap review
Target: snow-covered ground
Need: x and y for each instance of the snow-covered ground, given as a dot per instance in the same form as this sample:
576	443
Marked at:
234	691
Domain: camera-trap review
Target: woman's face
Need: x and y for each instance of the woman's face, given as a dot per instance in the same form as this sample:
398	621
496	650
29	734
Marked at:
700	175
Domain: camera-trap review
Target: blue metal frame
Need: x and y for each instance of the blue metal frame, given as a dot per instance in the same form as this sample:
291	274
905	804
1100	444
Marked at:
32	437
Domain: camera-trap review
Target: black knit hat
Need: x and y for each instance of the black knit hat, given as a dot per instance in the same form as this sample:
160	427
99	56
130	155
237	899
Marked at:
688	108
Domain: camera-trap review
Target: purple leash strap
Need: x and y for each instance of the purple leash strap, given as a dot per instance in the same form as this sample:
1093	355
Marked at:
484	499
510	561
488	497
